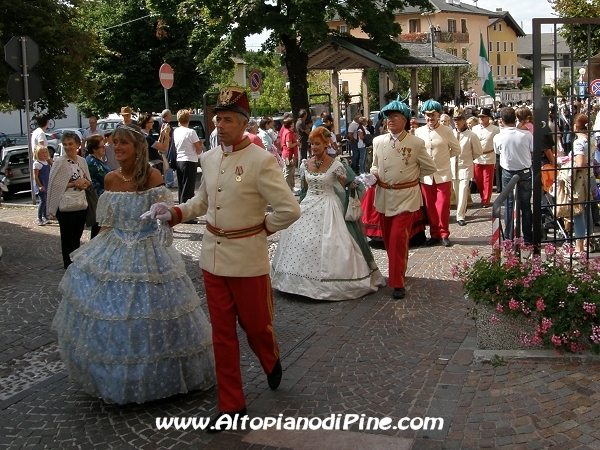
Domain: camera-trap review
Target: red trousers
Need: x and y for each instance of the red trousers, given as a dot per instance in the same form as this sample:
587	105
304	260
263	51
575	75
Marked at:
250	301
484	179
437	202
396	233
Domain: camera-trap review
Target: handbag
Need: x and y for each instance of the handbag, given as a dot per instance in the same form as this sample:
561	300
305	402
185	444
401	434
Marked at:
354	211
92	200
172	156
73	200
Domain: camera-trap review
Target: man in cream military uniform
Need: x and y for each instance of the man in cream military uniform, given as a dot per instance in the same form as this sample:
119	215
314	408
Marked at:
485	165
441	144
239	180
399	160
462	165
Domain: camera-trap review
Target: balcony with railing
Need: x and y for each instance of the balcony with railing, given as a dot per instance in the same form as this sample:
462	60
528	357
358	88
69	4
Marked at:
440	36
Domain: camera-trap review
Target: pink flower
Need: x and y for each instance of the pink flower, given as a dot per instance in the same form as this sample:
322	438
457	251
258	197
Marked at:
556	340
454	271
499	307
494	319
572	289
539	305
590	308
513	304
561	304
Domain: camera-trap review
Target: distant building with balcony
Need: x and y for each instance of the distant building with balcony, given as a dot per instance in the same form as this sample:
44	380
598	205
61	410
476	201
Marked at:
555	56
455	28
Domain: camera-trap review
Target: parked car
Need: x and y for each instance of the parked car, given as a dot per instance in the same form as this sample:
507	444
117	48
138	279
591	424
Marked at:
59	132
53	141
108	124
15	166
196	123
5	140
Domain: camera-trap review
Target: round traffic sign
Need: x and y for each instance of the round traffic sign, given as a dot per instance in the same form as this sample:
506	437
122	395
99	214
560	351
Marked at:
165	74
255	80
16	87
595	87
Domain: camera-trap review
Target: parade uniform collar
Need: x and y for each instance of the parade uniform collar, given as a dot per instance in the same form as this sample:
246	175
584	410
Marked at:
245	142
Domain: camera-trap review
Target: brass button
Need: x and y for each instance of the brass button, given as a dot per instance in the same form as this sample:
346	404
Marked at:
218	242
385	170
222	171
219	190
218	207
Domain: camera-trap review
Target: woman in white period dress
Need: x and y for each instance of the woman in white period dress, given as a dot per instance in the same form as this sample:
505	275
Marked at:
317	257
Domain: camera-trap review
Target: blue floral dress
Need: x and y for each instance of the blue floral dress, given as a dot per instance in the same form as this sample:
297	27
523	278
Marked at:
130	326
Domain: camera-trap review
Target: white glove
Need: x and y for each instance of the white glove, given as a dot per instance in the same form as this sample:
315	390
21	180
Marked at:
159	211
368	179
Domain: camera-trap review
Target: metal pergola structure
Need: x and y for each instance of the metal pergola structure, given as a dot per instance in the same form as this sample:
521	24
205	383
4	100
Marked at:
337	53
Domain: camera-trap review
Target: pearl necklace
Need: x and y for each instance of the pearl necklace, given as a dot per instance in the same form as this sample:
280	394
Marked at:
126	180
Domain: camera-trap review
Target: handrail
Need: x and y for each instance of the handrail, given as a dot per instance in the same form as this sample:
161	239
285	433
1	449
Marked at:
500	199
516	204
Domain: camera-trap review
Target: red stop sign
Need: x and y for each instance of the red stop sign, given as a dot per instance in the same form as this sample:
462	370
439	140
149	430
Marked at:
165	74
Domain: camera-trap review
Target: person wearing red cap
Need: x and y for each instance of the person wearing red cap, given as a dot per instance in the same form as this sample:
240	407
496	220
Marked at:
240	179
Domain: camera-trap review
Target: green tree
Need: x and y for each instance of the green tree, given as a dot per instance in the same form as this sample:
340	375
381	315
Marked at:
65	49
135	43
577	34
297	26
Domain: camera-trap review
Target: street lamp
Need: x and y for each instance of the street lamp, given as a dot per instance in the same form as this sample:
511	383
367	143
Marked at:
431	32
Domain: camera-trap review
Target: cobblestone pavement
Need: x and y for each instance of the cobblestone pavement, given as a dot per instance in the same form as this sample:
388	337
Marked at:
373	356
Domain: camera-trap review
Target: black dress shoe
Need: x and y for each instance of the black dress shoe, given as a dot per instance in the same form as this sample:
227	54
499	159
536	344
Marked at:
446	242
485	205
212	425
191	222
432	241
399	293
274	378
462	223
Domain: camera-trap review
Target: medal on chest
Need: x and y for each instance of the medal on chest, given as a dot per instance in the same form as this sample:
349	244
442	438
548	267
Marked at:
239	171
404	153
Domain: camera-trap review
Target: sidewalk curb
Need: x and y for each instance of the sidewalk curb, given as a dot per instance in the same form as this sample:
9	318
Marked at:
486	356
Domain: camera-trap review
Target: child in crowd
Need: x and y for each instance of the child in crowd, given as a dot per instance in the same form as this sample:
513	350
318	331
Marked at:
41	174
524	118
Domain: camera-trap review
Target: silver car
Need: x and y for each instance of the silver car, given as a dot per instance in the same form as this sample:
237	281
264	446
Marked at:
15	166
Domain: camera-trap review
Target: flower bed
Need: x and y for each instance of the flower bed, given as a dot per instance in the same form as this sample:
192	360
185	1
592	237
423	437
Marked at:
557	295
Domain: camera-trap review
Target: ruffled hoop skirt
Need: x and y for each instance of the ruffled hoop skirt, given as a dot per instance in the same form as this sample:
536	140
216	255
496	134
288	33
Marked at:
130	326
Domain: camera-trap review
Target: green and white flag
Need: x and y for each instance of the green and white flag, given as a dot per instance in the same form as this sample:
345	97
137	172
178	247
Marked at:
484	71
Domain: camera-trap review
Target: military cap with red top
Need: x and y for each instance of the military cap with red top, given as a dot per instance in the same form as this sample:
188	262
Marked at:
233	98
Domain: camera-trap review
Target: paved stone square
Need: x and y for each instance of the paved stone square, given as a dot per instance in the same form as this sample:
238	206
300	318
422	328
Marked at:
373	356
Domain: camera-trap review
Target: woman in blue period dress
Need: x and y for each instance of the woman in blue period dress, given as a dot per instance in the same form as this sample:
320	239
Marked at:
130	326
317	257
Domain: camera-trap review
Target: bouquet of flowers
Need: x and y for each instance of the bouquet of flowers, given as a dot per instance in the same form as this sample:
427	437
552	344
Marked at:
563	288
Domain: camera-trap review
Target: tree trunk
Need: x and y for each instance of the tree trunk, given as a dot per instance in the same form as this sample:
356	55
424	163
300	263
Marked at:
296	62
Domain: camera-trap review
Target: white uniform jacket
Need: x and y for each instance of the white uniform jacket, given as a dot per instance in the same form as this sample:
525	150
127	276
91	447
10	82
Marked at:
235	191
441	144
486	137
404	161
470	149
